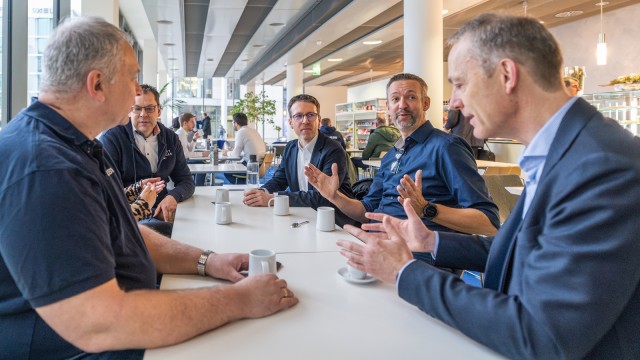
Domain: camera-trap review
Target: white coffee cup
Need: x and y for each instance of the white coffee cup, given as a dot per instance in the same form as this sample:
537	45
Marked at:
326	220
355	273
262	262
223	213
222	195
280	204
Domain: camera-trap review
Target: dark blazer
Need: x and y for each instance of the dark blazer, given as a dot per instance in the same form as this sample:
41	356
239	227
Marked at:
134	166
564	281
206	127
325	153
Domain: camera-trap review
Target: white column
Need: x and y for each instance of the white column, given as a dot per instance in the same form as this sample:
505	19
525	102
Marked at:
223	107
423	50
294	87
150	63
107	9
14	67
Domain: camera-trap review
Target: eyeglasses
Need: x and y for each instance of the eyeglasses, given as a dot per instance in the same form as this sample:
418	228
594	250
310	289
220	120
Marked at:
395	166
147	109
309	116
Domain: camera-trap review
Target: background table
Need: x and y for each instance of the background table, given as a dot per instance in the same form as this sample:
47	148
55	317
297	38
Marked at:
334	319
220	168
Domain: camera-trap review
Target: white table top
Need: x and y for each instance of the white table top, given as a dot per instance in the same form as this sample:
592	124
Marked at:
251	227
334	319
515	190
220	168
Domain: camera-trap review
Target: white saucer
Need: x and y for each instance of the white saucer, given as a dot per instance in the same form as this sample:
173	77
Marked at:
344	273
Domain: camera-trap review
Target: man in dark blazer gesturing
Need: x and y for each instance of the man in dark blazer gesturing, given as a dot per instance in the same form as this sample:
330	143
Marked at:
311	147
562	275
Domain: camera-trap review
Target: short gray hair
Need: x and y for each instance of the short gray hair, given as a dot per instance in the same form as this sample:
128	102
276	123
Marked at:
75	48
424	88
522	39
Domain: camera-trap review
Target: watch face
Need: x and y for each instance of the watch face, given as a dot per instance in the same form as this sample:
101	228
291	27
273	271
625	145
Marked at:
430	211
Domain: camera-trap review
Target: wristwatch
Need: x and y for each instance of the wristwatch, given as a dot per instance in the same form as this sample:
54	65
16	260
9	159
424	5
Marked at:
430	211
202	261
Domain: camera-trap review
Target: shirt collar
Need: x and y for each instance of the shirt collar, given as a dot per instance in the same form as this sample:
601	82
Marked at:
419	135
534	155
541	142
56	122
310	145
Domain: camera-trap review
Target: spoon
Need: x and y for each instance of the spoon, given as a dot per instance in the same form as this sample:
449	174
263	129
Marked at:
298	224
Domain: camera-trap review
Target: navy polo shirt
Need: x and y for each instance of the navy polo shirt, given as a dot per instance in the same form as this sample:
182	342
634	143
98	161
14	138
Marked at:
449	176
65	228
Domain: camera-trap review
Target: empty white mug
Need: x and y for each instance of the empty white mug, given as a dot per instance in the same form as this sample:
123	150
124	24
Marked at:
262	262
355	273
223	213
280	204
222	195
326	220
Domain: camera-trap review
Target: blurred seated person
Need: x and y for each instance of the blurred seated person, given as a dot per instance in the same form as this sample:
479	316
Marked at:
311	147
331	132
187	127
381	139
248	142
457	124
572	85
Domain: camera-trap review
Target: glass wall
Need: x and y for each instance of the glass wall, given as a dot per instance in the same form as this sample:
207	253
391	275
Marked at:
40	24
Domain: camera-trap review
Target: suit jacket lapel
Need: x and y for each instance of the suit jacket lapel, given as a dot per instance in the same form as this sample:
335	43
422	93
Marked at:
502	249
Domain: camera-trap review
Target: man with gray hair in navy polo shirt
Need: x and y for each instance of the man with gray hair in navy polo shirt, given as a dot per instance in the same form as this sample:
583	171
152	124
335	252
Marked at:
77	274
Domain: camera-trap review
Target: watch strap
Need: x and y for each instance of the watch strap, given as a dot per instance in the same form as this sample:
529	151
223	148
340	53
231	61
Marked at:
202	261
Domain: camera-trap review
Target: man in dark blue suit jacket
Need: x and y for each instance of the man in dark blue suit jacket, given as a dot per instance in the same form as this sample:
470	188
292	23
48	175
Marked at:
311	147
562	274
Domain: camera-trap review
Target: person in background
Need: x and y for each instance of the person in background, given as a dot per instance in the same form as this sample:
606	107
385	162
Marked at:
144	148
457	124
330	131
81	278
311	147
572	85
248	142
221	132
447	192
206	126
381	139
562	276
175	123
187	125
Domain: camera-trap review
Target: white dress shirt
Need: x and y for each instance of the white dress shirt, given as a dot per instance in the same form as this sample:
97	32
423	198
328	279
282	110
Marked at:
248	142
187	146
304	157
148	146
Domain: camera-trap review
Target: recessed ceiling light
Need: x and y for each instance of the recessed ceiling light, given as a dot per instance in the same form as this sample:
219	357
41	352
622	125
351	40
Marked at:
164	22
209	59
307	71
172	58
372	42
334	59
319	42
567	14
445	11
602	3
169	44
245	59
258	45
541	22
276	24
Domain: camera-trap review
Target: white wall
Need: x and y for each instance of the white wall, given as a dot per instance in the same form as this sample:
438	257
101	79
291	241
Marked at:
328	96
374	90
578	43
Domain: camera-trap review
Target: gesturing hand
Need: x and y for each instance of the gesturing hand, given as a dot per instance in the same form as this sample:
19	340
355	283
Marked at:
327	185
412	190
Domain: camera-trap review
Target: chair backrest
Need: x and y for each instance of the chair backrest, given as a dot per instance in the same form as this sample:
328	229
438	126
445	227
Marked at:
266	163
382	154
501	197
361	188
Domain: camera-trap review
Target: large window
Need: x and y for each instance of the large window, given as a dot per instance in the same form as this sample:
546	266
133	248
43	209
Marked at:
40	24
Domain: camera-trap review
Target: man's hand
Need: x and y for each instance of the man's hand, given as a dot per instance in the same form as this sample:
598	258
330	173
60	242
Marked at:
227	266
380	257
408	189
264	295
255	197
166	210
327	185
412	230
